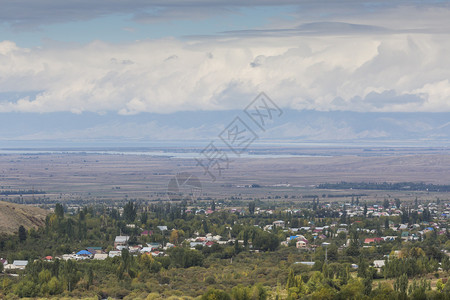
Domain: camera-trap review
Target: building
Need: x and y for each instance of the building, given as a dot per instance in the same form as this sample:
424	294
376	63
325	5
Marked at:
378	263
301	244
114	253
121	240
100	256
17	265
279	223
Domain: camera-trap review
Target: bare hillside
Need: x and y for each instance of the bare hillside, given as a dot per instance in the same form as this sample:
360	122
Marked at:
13	215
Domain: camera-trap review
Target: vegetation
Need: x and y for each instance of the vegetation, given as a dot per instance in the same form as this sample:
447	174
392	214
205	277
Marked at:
254	259
386	186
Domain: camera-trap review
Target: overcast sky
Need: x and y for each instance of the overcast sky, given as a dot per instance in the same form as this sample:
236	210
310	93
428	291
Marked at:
166	56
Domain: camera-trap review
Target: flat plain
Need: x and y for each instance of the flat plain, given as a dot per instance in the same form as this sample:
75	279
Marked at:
103	177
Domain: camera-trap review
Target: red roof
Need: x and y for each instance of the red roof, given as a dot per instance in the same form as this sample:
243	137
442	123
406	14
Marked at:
48	257
373	240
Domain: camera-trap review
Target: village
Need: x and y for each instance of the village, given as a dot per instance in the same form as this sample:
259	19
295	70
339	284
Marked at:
305	238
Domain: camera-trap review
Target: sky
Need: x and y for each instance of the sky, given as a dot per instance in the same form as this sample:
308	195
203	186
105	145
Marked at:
126	58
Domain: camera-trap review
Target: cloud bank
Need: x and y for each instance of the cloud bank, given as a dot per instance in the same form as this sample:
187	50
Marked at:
358	72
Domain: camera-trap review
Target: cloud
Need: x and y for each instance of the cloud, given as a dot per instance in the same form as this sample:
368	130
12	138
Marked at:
359	72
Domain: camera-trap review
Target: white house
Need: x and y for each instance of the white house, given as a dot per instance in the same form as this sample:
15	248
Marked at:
121	240
100	256
378	263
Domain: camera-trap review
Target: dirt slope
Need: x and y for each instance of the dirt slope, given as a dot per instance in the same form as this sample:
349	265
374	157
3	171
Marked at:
13	215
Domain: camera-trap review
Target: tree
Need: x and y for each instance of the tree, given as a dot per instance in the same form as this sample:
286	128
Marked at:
386	203
22	233
240	293
439	285
251	207
174	237
367	281
54	286
401	284
213	294
129	212
265	241
365	209
213	205
59	210
144	218
1	267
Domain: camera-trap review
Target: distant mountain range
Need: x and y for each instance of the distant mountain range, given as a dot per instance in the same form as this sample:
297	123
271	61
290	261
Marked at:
187	128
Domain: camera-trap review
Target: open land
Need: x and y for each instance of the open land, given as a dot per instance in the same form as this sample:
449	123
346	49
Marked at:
103	176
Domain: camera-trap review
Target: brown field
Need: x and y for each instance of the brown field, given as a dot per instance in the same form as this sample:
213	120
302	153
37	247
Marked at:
109	176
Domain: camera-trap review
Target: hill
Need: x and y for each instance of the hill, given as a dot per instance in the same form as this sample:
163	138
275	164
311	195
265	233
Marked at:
13	215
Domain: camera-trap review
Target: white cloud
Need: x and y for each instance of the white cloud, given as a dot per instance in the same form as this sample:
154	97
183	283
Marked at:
340	72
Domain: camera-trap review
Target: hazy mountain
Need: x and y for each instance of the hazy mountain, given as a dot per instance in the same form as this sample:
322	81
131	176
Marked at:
184	128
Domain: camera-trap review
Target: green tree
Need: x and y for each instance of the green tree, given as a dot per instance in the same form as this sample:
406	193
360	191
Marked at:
367	282
265	241
259	292
26	288
439	285
401	284
129	212
22	233
251	207
240	293
54	286
59	210
144	218
214	294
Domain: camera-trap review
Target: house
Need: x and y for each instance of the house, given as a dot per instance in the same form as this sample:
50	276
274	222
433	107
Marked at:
373	240
268	227
146	250
3	261
405	235
83	254
94	250
295	237
121	240
194	244
307	263
134	249
162	228
100	256
48	258
147	233
301	243
19	264
68	256
279	223
378	263
157	253
114	253
403	227
209	243
154	245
